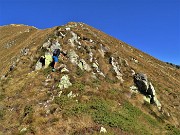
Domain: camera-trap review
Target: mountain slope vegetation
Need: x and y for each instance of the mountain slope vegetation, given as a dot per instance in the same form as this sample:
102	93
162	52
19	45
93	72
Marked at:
91	89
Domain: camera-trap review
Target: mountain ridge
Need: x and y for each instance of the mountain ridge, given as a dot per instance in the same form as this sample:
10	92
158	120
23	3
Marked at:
108	89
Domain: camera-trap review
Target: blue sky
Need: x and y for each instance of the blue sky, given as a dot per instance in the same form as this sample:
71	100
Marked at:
152	26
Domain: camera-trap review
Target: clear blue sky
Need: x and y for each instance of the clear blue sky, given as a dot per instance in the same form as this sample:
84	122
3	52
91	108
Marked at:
152	26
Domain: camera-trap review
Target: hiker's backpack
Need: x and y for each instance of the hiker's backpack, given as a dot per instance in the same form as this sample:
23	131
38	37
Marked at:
56	52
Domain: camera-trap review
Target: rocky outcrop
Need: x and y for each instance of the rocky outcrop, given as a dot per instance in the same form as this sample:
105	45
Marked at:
64	82
74	39
116	68
96	68
49	48
40	63
48	59
73	57
141	82
146	88
102	50
83	65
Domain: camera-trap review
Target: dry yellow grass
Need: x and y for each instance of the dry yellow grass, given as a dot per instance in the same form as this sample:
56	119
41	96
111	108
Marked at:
24	94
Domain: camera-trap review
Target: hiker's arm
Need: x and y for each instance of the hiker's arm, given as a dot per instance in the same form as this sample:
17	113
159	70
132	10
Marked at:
62	55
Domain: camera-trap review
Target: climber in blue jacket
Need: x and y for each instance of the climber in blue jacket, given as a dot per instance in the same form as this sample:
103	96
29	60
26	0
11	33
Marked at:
55	56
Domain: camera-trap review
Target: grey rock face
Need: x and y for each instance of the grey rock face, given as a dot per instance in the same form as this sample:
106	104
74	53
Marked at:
96	67
73	57
102	50
74	39
44	61
116	68
54	46
141	82
83	65
38	65
146	88
47	44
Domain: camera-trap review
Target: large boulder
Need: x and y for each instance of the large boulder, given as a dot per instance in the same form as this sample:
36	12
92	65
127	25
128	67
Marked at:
151	91
48	59
146	88
141	82
40	63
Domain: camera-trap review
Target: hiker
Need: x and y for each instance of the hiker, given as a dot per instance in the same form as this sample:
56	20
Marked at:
55	56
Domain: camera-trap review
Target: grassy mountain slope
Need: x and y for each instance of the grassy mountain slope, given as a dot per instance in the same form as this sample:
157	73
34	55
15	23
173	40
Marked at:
30	101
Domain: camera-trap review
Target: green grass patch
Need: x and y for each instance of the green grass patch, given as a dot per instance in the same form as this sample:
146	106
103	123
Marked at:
47	71
109	80
113	92
95	83
127	118
79	86
63	101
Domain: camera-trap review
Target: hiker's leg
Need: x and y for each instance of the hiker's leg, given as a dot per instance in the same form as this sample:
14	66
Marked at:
55	65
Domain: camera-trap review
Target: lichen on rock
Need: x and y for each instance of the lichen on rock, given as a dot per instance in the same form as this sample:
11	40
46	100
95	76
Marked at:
64	82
